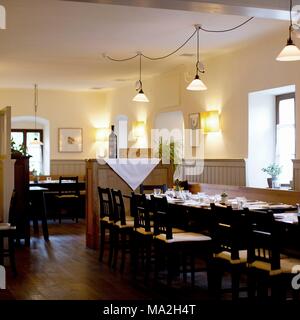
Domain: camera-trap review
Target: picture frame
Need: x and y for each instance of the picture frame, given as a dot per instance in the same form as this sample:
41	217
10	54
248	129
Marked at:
194	121
70	140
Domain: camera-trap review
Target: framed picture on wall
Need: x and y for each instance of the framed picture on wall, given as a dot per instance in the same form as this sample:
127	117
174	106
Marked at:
194	121
70	140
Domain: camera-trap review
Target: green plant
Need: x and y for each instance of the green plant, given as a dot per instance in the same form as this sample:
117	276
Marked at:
273	170
19	150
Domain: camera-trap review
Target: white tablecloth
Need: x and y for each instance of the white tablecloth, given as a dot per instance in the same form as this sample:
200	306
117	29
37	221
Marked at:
133	171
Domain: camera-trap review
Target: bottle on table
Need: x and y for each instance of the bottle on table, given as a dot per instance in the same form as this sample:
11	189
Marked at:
112	143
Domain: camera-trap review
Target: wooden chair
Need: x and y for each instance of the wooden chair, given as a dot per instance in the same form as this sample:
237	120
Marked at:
229	238
68	197
143	233
267	267
122	229
175	247
162	187
8	231
106	222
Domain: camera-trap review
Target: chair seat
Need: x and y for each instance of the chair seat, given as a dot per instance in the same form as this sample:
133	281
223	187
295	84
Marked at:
106	219
184	237
287	265
226	255
6	226
129	224
142	231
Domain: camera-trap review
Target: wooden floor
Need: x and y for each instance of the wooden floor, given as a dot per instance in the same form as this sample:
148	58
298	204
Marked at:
64	268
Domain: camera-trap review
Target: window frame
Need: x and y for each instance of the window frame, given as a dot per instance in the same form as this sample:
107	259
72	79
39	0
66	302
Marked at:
279	98
24	131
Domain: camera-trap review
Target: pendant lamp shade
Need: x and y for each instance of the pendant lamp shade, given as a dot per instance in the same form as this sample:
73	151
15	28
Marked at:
140	97
290	52
196	85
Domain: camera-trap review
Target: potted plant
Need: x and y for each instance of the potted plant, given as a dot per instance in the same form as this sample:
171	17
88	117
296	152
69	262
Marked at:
274	171
224	197
18	151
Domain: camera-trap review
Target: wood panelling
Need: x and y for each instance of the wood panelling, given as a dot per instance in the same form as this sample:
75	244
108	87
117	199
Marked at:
216	171
68	168
102	175
269	195
296	174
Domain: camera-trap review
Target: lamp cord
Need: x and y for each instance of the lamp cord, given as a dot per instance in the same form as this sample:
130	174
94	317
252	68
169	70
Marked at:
35	104
181	46
291	23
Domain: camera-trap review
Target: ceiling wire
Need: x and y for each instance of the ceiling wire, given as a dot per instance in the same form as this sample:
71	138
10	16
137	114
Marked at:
181	46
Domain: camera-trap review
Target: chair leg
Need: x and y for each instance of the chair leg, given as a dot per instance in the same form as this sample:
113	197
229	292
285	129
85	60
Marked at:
148	258
251	283
102	241
235	283
11	248
123	256
111	245
1	251
116	247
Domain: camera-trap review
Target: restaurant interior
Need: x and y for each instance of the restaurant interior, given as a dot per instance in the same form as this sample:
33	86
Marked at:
149	150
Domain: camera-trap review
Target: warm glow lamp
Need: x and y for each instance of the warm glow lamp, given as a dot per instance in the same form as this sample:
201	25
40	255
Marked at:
138	129
101	134
290	52
210	121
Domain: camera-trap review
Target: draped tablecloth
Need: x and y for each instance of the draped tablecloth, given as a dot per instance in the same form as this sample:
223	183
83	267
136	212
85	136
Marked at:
133	171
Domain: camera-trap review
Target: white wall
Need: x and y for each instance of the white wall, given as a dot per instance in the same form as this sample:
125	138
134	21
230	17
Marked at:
261	135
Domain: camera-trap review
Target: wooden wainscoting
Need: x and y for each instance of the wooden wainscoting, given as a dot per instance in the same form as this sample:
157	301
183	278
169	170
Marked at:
102	175
269	195
68	168
296	175
216	171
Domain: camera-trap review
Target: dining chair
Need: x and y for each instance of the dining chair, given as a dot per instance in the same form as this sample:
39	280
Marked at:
229	238
267	266
68	198
176	248
143	233
8	231
122	229
106	222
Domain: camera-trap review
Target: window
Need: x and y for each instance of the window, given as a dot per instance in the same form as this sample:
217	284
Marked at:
285	135
25	136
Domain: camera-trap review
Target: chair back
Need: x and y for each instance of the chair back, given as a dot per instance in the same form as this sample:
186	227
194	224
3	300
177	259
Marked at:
264	239
229	230
68	186
118	206
161	216
140	211
106	205
151	187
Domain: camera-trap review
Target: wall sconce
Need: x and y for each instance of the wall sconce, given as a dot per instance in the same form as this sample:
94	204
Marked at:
102	134
210	121
138	129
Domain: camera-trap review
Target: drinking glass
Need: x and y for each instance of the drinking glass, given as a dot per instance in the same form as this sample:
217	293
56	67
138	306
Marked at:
157	191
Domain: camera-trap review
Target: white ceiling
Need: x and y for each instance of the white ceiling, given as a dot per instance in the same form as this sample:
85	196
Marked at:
59	44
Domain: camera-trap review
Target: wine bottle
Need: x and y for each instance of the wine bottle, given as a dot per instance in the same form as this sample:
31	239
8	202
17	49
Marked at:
113	143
